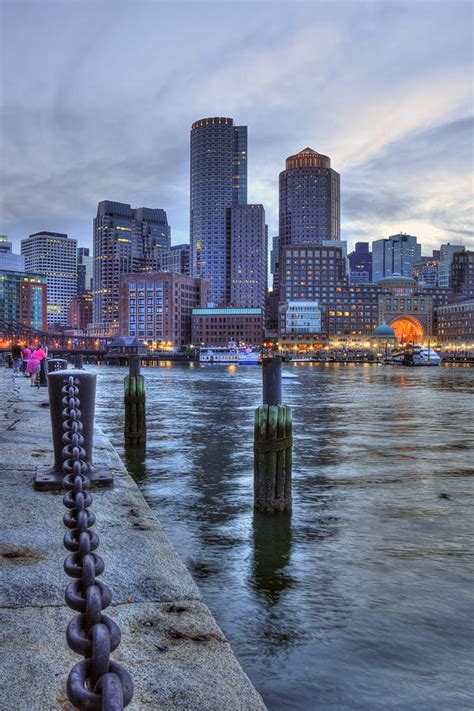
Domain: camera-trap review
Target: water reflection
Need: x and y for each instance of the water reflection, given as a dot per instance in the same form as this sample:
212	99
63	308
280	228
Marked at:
135	462
271	555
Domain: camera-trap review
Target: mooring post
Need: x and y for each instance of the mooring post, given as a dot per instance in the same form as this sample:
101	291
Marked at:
273	445
51	477
134	400
78	361
56	364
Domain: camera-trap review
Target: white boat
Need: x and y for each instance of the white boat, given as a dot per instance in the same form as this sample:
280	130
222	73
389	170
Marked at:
426	356
230	354
414	355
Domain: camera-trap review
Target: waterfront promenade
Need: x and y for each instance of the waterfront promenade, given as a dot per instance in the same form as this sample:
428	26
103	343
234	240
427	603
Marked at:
171	645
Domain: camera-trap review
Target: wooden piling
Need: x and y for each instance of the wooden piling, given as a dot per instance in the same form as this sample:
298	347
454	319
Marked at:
272	458
134	399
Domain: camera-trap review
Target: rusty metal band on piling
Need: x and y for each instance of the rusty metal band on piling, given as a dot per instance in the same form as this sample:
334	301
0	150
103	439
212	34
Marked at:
96	682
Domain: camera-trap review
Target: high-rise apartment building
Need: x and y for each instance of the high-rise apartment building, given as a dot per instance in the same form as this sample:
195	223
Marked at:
360	264
247	248
309	199
53	255
446	254
126	240
8	260
394	255
85	270
218	181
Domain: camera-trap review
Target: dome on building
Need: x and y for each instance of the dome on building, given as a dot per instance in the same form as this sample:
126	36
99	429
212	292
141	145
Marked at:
396	279
384	331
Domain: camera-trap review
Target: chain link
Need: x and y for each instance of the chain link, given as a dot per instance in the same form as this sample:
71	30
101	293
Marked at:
97	682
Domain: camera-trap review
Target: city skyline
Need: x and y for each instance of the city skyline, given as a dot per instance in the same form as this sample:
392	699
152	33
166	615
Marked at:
375	86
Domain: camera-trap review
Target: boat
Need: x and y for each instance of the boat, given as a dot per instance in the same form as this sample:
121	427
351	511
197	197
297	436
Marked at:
230	354
414	355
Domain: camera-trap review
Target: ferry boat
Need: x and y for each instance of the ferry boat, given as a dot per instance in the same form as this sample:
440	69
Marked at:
414	355
227	355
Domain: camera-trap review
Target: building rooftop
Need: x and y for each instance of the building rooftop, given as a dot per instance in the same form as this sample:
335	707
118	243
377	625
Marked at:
384	331
227	312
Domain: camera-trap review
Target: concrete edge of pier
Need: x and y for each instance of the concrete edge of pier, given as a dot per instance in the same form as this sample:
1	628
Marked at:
172	646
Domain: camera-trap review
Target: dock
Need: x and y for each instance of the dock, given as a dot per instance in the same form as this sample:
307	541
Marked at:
171	645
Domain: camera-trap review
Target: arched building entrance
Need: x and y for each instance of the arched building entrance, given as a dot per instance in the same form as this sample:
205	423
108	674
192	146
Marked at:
408	329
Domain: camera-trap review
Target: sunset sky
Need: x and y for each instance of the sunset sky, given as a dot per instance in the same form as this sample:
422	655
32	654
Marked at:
97	100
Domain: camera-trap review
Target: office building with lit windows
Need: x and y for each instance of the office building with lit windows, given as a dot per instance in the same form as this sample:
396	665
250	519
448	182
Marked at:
54	256
394	255
247	246
126	240
156	307
218	180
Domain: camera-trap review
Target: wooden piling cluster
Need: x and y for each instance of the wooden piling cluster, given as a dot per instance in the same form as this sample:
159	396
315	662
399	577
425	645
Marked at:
273	451
135	418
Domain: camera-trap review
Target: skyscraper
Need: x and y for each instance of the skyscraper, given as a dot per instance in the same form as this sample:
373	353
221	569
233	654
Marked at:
394	255
247	244
126	240
53	255
218	181
85	270
309	199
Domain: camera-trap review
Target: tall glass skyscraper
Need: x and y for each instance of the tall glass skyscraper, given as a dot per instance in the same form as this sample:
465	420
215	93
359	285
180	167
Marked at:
218	181
126	240
309	200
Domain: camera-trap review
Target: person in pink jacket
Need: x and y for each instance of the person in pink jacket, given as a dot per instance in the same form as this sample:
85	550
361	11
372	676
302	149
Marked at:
34	364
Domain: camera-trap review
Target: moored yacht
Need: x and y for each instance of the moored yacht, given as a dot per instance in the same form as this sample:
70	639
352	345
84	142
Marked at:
414	355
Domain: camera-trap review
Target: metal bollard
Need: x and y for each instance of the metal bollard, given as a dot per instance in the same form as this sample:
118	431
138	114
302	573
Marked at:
47	477
56	364
134	401
79	361
271	381
43	380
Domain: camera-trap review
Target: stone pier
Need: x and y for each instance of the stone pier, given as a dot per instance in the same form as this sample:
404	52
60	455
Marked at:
171	645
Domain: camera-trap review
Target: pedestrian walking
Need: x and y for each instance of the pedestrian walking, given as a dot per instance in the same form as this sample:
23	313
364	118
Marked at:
34	364
16	359
25	355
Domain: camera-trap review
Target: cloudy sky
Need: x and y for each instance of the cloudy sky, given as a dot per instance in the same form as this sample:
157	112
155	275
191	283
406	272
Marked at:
97	99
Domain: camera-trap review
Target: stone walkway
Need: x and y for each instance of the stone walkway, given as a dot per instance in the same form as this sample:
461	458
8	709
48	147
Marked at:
171	645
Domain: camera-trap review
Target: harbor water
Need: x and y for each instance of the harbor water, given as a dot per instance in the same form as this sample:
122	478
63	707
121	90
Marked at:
362	597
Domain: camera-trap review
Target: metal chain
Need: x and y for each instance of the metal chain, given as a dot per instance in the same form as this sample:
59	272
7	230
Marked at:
97	682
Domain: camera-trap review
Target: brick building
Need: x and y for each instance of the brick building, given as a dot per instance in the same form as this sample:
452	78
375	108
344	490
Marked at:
216	327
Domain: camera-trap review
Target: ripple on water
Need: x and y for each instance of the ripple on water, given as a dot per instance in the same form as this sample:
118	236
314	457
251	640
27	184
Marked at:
360	598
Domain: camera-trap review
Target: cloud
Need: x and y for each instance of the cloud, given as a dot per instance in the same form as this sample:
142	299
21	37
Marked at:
97	102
